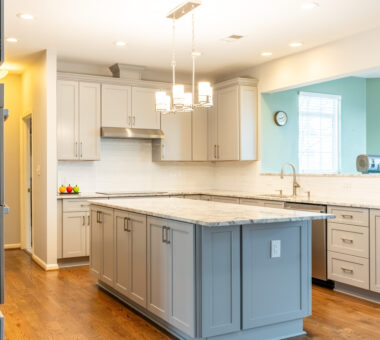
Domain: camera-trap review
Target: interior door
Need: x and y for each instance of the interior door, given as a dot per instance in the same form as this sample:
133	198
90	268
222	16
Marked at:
67	119
144	115
158	268
116	106
89	121
228	124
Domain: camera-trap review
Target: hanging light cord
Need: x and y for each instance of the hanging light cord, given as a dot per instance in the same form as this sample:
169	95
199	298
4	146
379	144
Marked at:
173	53
193	57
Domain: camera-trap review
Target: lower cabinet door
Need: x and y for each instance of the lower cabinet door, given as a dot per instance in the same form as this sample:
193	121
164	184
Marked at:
88	232
95	244
375	251
107	245
122	252
74	234
158	268
137	231
182	276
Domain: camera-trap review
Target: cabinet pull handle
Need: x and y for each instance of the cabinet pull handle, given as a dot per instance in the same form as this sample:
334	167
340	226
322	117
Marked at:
163	233
214	151
84	220
99	218
88	219
126	226
218	151
168	235
348	216
81	149
76	149
347	270
133	120
163	151
347	240
129	120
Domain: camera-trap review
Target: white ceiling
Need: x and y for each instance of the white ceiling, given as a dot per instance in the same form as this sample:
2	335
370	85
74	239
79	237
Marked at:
85	30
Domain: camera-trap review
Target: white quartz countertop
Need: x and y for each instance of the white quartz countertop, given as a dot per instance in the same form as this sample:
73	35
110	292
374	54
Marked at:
206	213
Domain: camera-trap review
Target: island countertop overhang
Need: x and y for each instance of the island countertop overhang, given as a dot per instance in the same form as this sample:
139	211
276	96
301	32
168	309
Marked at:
207	213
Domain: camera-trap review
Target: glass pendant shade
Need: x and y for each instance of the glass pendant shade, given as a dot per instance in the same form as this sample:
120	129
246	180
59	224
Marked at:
162	102
204	92
188	104
178	96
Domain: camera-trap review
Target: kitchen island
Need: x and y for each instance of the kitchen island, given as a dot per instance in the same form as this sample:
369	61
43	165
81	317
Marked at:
206	270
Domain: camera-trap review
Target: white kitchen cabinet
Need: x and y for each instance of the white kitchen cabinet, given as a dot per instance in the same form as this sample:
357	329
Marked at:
199	134
116	106
74	234
144	115
171	262
176	146
105	220
130	255
95	242
232	130
375	250
78	120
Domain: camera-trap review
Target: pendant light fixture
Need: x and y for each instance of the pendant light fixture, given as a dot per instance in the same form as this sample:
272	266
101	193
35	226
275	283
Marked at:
181	101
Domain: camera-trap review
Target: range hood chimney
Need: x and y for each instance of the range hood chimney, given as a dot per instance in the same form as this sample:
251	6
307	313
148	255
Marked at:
131	133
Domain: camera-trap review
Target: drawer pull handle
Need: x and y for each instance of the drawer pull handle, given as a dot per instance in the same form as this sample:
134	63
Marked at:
126	224
347	240
347	270
348	216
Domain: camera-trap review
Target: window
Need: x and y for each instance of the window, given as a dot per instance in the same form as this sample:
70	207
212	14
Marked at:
319	133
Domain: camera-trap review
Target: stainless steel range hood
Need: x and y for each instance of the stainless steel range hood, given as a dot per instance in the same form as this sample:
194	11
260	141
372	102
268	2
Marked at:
131	133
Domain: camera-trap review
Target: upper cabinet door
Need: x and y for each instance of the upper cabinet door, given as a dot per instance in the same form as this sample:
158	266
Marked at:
144	115
212	130
176	146
116	106
67	120
228	124
199	139
89	121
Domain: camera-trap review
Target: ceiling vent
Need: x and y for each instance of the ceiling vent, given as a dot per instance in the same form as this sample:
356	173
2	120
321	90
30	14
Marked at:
233	38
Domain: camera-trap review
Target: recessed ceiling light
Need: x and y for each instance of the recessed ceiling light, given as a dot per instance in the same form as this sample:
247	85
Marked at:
12	40
120	43
295	44
266	54
25	16
310	5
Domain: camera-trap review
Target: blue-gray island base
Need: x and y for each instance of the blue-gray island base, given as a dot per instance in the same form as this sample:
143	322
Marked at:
206	277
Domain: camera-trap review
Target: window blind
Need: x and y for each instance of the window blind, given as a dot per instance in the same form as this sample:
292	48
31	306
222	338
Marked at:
319	132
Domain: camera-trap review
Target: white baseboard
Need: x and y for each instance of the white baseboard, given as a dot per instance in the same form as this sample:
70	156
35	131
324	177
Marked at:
43	264
12	246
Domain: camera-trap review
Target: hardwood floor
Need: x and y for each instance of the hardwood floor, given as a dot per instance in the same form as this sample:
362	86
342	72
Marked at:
66	304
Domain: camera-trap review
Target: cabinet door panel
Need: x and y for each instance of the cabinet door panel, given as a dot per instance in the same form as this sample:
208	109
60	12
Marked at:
116	106
182	283
88	232
177	141
67	120
74	234
158	273
144	115
228	123
122	253
212	130
375	251
107	229
138	258
199	139
95	244
89	121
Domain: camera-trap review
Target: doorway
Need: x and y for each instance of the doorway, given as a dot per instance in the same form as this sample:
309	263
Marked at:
26	185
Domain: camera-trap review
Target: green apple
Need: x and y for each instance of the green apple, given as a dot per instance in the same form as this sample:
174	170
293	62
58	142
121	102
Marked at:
76	189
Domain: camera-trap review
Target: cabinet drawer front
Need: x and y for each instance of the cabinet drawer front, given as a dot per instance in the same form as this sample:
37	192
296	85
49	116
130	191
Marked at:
351	270
348	239
356	216
75	205
222	199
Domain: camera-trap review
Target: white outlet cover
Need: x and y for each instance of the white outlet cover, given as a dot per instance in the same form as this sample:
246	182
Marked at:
275	248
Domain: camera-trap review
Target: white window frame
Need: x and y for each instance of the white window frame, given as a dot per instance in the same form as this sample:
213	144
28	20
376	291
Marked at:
338	131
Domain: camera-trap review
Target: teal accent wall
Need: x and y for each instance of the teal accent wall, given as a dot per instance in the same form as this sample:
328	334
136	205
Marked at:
373	116
280	144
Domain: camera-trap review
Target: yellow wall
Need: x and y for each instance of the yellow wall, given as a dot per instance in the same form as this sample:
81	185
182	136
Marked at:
12	84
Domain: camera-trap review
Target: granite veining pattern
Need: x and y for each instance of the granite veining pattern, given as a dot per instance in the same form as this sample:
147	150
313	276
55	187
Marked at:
207	213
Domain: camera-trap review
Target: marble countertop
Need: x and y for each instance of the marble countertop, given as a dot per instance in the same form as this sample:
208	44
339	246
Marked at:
372	204
207	213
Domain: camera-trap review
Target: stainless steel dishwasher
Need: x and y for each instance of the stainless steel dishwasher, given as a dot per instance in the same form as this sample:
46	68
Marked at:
319	241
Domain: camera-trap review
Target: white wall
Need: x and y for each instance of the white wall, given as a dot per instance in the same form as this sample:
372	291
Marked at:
39	99
335	60
127	165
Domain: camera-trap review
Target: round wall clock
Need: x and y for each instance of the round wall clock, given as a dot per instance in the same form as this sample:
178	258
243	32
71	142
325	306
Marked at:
280	118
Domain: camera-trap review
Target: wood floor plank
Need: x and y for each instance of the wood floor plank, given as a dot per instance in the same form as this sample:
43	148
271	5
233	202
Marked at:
67	304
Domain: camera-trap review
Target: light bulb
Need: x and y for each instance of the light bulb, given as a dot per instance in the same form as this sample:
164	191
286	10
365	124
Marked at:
162	103
204	92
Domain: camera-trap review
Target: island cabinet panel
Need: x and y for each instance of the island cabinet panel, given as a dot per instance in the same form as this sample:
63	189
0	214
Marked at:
105	219
275	289
171	268
130	255
375	251
220	272
95	242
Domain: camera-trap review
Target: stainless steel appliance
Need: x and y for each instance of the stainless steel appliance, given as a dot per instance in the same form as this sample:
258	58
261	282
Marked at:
319	241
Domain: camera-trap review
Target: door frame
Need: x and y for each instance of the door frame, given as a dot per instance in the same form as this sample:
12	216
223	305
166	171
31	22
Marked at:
25	174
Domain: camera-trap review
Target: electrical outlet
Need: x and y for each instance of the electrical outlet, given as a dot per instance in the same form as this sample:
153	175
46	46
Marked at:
275	248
